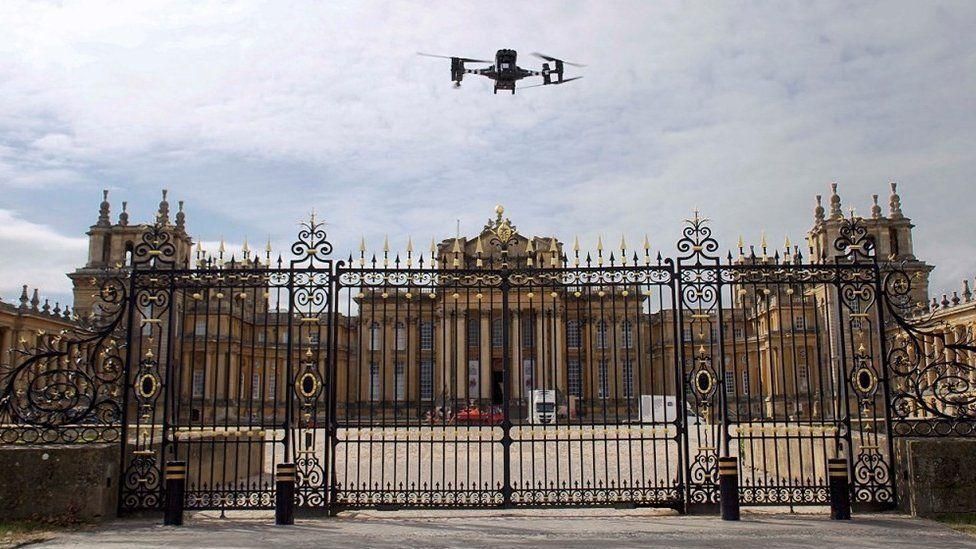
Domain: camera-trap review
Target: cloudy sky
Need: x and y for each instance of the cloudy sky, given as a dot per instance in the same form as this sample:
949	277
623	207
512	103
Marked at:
254	113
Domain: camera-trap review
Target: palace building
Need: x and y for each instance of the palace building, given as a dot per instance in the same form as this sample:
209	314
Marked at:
436	347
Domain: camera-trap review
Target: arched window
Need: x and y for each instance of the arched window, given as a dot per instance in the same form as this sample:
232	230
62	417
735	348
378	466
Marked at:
374	336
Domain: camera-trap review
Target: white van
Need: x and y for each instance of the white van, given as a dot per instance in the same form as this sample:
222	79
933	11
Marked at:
542	407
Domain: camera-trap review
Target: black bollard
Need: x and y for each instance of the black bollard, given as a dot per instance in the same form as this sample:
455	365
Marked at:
175	475
285	494
840	493
728	486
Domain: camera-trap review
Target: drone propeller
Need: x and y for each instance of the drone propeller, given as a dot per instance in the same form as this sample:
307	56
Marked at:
465	59
551	83
548	58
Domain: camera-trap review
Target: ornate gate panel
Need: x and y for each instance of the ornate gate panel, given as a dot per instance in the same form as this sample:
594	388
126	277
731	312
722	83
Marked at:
783	369
228	367
498	371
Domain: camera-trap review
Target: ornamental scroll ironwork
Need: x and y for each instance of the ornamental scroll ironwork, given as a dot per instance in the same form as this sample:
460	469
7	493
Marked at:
930	363
67	388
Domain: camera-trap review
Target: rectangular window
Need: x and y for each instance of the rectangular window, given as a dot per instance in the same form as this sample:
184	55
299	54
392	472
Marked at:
426	335
474	331
575	377
497	333
802	373
745	382
799	324
272	386
528	374
261	336
374	382
474	378
374	336
573	334
313	338
628	380
687	334
401	336
256	386
427	379
737	333
729	383
399	373
604	381
601	335
628	334
201	327
528	332
198	378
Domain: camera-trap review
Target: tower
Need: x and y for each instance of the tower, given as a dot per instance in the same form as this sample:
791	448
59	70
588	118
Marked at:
110	249
892	234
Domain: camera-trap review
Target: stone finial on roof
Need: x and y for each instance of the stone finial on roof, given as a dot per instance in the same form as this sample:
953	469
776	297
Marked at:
35	300
894	203
835	210
180	217
124	216
162	215
23	298
967	294
103	211
818	212
875	208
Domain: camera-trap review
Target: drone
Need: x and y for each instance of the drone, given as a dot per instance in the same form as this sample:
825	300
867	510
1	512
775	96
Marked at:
505	72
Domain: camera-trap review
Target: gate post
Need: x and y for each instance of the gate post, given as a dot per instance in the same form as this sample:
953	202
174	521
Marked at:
175	475
728	474
285	494
840	494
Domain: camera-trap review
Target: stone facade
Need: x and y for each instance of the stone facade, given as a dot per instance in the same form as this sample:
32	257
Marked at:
377	343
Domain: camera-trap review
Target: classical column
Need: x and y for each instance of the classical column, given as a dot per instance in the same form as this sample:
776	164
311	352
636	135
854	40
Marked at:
558	355
515	352
461	355
485	356
7	345
542	372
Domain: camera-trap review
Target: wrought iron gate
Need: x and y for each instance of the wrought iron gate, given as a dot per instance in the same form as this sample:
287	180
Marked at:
499	371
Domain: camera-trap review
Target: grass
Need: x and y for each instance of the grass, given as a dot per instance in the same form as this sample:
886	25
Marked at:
961	522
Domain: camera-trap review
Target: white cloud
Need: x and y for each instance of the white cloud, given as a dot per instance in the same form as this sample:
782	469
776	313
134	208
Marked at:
256	112
38	256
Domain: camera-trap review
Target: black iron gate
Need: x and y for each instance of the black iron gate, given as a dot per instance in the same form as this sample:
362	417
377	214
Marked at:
497	371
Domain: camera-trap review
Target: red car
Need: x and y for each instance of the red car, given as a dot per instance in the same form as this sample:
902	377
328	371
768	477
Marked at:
476	416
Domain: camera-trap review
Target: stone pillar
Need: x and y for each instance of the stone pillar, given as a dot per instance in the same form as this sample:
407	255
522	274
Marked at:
485	355
6	345
559	342
515	351
461	355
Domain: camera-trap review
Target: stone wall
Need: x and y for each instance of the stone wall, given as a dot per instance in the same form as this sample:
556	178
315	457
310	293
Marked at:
936	475
59	482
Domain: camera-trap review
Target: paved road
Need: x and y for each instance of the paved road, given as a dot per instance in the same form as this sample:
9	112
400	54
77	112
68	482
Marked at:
551	528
